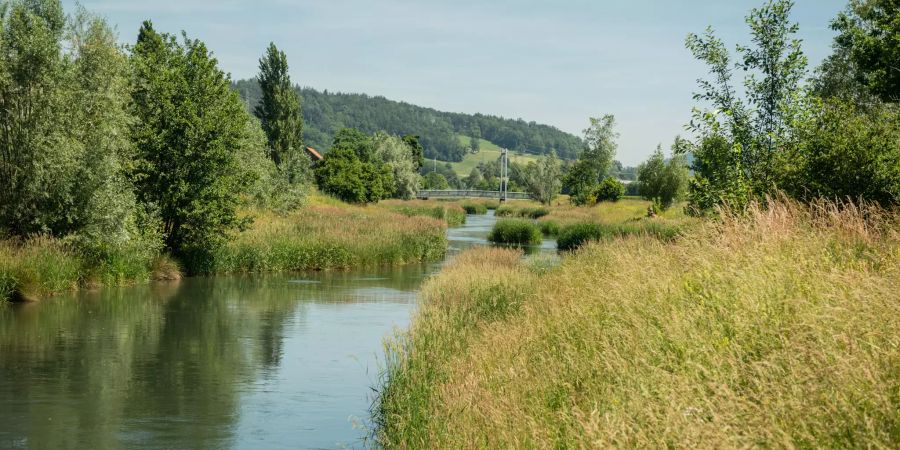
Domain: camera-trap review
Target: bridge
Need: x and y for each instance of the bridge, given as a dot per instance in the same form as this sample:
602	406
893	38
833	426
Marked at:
468	193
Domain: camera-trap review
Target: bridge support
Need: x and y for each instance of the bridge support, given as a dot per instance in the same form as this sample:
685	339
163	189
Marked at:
504	173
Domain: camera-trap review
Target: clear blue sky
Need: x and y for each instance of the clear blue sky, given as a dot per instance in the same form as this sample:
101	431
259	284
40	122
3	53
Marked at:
555	62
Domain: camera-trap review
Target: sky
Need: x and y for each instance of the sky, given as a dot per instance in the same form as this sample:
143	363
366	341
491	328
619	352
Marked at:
555	62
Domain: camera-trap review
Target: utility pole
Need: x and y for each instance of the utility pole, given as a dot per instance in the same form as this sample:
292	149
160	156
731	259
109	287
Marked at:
504	173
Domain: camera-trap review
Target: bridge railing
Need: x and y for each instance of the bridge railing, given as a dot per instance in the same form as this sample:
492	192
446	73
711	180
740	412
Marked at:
460	193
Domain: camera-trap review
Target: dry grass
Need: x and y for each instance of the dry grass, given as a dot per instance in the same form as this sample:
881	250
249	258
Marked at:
775	328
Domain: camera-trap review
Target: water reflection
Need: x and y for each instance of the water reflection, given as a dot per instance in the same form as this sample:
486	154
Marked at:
233	362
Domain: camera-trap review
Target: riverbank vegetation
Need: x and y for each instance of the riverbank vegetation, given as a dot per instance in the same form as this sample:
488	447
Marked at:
515	231
779	322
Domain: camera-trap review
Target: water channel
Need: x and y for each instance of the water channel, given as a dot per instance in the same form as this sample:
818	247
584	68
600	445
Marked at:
282	361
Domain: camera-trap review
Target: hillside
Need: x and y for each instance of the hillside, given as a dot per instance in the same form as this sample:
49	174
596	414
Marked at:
488	152
326	112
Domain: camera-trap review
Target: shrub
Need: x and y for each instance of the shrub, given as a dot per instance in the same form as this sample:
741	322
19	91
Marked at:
609	190
475	208
515	231
548	227
505	211
533	213
574	236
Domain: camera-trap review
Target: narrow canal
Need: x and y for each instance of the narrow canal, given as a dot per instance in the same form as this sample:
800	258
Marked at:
286	361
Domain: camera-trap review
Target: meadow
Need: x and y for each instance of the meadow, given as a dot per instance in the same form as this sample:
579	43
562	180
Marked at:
488	152
778	327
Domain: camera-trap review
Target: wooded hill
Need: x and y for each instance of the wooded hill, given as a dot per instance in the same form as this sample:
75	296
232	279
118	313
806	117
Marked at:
324	113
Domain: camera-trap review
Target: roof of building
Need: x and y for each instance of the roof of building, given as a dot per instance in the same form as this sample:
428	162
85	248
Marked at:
315	155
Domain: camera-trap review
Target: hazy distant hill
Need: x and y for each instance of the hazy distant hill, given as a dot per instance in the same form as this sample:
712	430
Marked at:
326	112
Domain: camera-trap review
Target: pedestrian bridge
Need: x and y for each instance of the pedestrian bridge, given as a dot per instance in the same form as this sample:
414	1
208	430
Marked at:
467	193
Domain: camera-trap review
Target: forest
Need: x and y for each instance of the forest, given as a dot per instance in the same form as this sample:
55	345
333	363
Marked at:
325	113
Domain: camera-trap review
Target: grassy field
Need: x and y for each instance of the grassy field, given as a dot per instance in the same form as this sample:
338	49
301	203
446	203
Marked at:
778	328
488	152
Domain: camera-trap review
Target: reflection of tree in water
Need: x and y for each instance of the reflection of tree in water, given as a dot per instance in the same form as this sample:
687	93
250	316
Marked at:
164	364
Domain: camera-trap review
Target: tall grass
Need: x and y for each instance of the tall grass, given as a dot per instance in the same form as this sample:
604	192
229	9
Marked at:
40	266
332	237
775	328
452	213
515	231
573	236
530	212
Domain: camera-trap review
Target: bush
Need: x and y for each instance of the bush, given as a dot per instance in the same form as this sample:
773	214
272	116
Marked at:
515	231
505	211
475	208
574	236
610	190
534	213
548	227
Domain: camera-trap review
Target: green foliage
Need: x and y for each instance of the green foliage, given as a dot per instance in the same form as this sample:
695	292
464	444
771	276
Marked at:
515	231
346	176
529	212
610	190
746	134
573	236
594	162
418	152
843	153
663	182
543	180
434	180
280	116
867	48
190	138
453	215
474	144
400	157
326	113
475	208
549	227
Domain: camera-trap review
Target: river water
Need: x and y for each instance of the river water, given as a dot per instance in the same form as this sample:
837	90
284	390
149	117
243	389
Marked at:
286	361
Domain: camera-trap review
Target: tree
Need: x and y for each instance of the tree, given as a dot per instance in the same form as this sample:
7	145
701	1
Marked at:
594	162
63	143
396	154
843	152
543	179
663	182
435	180
609	190
418	152
752	132
191	133
474	178
279	113
866	51
474	144
354	169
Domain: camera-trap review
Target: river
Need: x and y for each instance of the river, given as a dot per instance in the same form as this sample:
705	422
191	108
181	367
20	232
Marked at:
275	361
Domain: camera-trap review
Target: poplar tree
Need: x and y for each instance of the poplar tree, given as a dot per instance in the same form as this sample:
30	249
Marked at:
279	113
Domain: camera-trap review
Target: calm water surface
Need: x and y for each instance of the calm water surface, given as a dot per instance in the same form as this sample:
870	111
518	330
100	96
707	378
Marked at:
282	361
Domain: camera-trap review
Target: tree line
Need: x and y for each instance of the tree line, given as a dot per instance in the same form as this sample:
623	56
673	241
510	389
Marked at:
325	113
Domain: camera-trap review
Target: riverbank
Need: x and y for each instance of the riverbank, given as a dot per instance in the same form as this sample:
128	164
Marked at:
779	328
324	234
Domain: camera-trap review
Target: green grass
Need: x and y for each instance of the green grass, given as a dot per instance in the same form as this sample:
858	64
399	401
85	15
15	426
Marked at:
515	231
488	152
775	329
573	236
335	237
41	266
452	213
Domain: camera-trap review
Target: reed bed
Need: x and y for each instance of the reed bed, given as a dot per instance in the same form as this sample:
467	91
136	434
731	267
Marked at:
320	237
451	213
515	231
34	268
779	327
